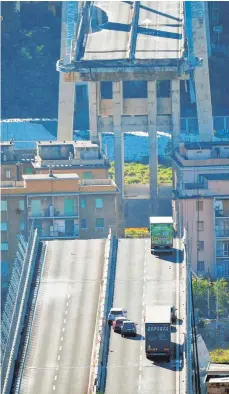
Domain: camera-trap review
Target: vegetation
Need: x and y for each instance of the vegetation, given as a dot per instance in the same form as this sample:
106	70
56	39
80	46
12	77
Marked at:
220	356
30	49
136	232
139	173
204	289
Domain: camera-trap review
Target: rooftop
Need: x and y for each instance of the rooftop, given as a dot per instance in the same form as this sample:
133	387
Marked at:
77	144
204	145
42	177
216	177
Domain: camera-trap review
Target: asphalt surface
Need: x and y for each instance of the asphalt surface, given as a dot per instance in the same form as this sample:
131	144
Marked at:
59	352
141	279
160	32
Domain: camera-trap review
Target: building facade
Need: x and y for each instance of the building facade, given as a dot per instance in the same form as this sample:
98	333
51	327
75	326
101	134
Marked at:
201	204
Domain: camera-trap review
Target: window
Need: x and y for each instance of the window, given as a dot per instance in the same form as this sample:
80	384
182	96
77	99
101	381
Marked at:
200	245
22	226
4	246
135	89
200	226
7	173
83	224
106	90
3	226
21	205
82	203
5	285
4	268
199	205
200	266
99	223
163	88
87	175
3	206
99	202
28	170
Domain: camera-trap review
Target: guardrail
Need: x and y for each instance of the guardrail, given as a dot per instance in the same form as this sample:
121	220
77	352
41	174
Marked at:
15	306
188	339
101	336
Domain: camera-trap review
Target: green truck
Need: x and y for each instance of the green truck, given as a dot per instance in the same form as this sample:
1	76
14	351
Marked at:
161	234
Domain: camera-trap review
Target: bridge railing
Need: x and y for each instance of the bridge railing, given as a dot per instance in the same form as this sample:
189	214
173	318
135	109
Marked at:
15	306
188	344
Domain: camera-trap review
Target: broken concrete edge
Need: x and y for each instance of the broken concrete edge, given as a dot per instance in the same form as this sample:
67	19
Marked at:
98	340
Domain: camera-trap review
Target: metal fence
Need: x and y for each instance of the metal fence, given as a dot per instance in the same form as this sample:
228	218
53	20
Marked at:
188	340
15	306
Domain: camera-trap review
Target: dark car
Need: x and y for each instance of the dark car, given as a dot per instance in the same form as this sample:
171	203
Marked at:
128	329
117	323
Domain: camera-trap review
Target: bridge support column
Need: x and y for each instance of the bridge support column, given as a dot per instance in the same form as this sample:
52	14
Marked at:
201	73
93	93
119	152
66	95
152	130
175	98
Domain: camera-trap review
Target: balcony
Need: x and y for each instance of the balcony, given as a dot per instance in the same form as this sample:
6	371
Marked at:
222	233
222	253
52	213
221	213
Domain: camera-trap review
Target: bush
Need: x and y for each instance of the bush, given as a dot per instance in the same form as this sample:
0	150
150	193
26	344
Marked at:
136	232
139	173
220	356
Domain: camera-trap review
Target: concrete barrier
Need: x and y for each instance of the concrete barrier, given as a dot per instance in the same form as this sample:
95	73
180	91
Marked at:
101	334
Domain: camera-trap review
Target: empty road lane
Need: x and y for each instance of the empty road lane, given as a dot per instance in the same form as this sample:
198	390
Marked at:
59	352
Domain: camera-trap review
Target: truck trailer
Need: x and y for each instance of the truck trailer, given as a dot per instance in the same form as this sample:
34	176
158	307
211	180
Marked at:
158	332
161	234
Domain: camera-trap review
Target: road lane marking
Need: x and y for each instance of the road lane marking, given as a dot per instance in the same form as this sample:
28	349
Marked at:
66	312
69	295
57	368
61	339
65	321
54	388
67	304
63	329
60	347
58	358
55	377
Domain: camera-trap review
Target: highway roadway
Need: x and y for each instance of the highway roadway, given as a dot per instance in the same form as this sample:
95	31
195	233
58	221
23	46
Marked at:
160	32
59	351
142	279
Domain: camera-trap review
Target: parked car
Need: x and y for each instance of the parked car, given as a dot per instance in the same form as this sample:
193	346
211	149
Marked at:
115	312
128	329
118	322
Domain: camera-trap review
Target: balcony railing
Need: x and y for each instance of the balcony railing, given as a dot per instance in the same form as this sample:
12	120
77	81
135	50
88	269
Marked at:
222	233
222	253
52	214
221	212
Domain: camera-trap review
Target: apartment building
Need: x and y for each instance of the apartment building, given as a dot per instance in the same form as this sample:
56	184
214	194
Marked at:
201	204
66	198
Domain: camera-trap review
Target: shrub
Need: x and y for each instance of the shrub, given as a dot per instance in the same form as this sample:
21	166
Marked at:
220	356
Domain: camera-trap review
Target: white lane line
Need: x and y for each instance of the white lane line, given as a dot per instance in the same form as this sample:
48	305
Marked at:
54	388
61	339
57	368
66	312
140	357
55	377
67	304
60	347
63	329
65	321
69	295
178	310
58	358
